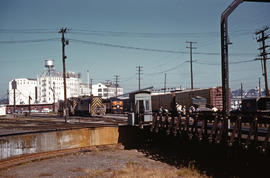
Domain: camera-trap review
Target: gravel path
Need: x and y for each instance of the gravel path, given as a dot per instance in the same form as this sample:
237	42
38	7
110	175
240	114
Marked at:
94	163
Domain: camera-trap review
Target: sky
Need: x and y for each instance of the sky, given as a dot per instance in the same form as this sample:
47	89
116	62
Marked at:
113	37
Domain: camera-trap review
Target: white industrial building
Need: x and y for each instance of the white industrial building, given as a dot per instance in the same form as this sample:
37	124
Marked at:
50	84
25	87
106	90
49	87
85	89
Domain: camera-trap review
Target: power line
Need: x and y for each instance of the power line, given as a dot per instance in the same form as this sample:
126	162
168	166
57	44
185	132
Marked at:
126	47
167	70
216	64
28	41
148	49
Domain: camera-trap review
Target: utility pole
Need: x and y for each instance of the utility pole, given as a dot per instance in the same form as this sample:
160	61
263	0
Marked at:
191	72
53	97
259	86
165	79
29	104
14	87
64	43
7	96
139	69
241	88
263	54
107	82
116	84
91	87
88	77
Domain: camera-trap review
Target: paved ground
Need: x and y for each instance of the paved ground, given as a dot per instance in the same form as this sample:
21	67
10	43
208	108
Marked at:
98	162
11	124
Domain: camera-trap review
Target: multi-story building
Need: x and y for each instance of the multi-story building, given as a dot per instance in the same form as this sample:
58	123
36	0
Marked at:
106	90
85	89
50	84
49	87
25	87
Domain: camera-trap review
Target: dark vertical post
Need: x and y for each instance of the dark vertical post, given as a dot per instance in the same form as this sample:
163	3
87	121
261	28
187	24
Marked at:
241	88
14	87
14	100
53	97
29	104
116	84
36	94
91	87
7	96
139	75
224	68
64	42
191	72
259	87
263	55
165	78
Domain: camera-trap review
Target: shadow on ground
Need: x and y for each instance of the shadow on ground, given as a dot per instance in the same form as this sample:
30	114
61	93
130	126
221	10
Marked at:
217	160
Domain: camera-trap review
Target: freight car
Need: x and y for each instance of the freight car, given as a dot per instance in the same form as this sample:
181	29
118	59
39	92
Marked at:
212	97
84	106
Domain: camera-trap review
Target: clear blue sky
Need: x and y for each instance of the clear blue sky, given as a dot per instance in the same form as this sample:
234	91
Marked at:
151	24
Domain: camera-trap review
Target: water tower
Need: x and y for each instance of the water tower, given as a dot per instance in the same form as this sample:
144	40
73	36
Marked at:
49	64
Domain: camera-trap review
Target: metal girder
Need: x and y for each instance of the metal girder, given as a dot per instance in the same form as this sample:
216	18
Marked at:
224	51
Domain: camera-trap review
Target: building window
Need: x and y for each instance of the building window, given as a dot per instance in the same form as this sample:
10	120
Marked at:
99	90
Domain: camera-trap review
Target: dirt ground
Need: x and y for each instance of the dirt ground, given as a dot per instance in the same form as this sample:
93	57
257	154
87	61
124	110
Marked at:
99	162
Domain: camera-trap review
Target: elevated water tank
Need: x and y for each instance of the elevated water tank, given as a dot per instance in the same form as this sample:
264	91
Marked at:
49	63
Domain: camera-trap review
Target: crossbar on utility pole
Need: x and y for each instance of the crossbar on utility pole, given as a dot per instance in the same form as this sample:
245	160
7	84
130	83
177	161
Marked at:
263	55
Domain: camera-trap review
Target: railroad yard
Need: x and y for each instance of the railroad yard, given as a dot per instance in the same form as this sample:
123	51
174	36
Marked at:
109	160
107	147
106	161
51	122
189	124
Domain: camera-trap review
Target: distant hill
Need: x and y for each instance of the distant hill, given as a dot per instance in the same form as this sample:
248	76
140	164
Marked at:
254	92
3	101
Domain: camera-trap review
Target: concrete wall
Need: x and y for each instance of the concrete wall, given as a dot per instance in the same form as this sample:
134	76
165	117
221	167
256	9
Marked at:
11	146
